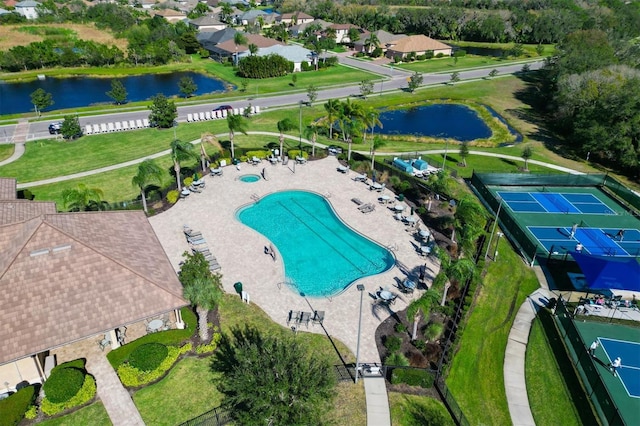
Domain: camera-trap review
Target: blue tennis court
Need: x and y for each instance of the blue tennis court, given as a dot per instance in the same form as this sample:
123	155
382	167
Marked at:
596	241
554	202
629	353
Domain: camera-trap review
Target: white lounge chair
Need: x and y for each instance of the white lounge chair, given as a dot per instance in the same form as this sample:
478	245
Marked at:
241	111
145	122
118	126
207	115
88	129
139	124
125	125
96	128
132	124
202	116
224	113
103	127
189	118
235	111
111	127
257	108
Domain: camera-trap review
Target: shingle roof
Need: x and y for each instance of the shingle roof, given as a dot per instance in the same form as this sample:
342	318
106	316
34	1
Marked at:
260	41
12	211
417	43
66	277
293	53
7	189
27	3
215	37
206	20
384	37
296	15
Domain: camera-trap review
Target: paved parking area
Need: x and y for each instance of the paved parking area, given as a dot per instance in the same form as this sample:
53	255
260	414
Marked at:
239	249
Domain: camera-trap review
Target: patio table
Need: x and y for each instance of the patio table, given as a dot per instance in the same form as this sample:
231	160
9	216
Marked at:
398	207
155	325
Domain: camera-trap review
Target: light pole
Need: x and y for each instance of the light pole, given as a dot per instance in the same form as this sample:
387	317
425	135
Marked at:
495	254
446	148
493	230
360	288
300	128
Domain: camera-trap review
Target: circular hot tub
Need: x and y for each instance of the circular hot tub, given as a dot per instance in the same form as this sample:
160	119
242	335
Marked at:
249	178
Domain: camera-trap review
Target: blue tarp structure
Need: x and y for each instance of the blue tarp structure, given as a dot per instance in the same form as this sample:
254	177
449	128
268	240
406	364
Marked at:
607	272
420	164
403	165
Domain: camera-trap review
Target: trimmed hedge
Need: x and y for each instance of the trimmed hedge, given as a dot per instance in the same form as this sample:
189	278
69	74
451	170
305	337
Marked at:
63	384
132	377
148	357
167	338
87	393
412	377
13	408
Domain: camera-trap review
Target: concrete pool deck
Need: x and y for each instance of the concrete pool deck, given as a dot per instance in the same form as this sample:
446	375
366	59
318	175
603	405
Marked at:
240	250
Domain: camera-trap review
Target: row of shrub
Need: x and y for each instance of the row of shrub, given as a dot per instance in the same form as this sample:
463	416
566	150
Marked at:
140	370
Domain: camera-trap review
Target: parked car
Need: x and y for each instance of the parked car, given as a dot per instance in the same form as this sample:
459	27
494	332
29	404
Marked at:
223	107
334	150
54	128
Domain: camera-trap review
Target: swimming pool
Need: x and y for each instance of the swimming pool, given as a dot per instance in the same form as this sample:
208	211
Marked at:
322	256
249	178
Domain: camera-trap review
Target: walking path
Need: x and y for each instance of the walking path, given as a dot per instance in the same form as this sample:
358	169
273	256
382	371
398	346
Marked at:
118	402
116	399
375	390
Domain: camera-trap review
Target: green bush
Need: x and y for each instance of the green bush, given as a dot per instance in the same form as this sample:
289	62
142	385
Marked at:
148	357
14	407
262	154
421	345
412	377
167	338
63	384
172	196
400	328
440	55
86	393
393	343
434	331
397	358
32	412
76	363
209	348
132	377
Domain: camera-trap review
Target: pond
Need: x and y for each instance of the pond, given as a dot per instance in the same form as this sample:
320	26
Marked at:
74	92
450	121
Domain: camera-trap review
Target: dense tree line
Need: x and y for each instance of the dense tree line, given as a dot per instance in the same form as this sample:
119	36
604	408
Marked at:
542	21
593	91
264	66
153	41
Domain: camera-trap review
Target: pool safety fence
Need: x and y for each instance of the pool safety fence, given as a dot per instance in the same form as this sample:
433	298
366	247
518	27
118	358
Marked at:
593	382
215	417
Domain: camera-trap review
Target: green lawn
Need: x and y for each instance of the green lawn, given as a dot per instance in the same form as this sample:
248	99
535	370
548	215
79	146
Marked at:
415	410
476	376
187	391
6	151
94	415
547	391
450	65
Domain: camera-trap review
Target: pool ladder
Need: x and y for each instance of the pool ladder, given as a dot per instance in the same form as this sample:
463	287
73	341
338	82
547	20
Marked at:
255	197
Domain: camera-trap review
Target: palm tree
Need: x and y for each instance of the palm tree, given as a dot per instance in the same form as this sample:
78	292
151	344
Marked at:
311	132
253	49
372	40
236	123
370	119
239	39
148	171
332	106
181	151
375	145
421	306
207	138
351	115
284	125
205	294
82	198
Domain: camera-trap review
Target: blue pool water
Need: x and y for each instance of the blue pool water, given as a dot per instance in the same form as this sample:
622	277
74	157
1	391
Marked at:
322	256
249	178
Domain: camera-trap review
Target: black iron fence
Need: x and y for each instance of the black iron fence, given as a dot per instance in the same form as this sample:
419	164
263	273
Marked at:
215	417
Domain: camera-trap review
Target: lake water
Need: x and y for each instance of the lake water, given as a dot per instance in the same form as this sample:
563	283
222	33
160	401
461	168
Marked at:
76	92
438	120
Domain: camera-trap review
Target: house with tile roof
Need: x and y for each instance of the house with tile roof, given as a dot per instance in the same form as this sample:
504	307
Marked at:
28	9
295	18
73	277
342	32
228	49
420	44
385	38
170	15
296	30
207	23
